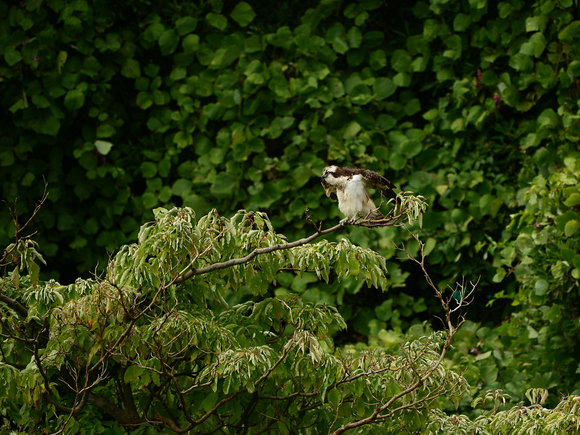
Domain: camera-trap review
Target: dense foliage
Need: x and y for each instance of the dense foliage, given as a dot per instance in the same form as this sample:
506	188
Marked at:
227	105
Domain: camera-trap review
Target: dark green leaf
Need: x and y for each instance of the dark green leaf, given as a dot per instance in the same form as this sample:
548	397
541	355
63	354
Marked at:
570	32
354	37
243	14
74	100
185	25
168	42
225	184
131	69
461	22
12	57
148	169
217	20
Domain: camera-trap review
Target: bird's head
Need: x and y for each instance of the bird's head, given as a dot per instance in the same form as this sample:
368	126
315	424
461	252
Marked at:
328	174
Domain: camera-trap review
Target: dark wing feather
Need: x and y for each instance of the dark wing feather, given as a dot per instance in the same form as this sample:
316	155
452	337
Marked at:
329	190
375	181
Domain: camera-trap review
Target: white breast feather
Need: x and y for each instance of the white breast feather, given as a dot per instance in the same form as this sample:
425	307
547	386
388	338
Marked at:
354	200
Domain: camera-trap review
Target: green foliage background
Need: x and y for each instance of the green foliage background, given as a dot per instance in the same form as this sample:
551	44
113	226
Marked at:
123	107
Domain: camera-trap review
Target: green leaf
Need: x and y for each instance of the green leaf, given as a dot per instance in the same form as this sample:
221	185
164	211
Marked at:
397	161
477	4
572	200
103	147
190	44
549	119
150	200
535	46
361	94
217	20
225	184
168	42
571	227
105	130
148	169
412	107
243	14
352	129
334	397
570	32
401	61
131	69
541	287
132	373
386	122
209	401
144	100
153	32
461	22
354	37
431	29
181	186
335	36
74	100
378	59
545	74
402	79
185	25
12	57
411	148
28	179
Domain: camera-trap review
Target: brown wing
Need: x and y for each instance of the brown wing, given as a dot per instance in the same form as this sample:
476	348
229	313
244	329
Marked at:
375	181
329	190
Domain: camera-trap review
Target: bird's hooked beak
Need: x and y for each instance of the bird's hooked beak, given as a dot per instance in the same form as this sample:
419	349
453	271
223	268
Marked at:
323	176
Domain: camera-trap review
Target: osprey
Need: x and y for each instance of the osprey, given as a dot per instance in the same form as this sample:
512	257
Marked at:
349	186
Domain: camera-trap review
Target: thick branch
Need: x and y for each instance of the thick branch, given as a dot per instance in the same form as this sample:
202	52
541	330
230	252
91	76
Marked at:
14	304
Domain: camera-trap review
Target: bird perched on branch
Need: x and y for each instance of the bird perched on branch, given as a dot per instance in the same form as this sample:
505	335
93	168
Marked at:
349	186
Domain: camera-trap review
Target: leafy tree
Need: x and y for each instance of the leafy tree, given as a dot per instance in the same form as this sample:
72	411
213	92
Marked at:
154	347
154	343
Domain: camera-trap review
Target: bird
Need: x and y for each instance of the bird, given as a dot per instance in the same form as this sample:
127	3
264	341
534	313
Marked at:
349	187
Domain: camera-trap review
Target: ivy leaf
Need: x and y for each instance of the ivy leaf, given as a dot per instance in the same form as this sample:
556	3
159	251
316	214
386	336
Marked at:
243	14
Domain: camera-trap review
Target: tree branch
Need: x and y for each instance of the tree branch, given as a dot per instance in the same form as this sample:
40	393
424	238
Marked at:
237	261
15	305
